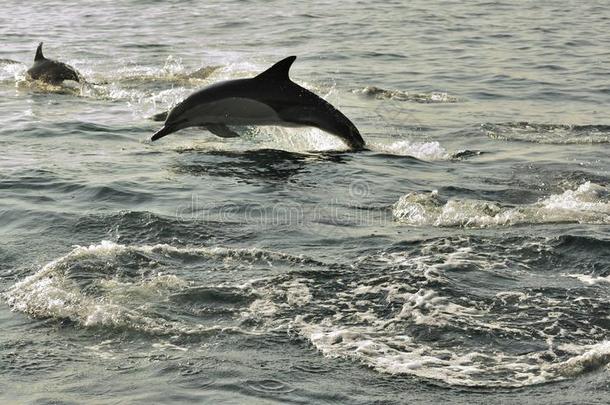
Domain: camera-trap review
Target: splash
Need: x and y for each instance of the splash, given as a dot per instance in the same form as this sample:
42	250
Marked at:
425	98
12	70
588	203
429	151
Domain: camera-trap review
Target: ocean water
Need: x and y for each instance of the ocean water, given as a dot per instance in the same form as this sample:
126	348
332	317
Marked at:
464	258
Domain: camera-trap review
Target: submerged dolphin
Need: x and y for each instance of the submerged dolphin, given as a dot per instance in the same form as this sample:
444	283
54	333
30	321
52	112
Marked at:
270	98
51	71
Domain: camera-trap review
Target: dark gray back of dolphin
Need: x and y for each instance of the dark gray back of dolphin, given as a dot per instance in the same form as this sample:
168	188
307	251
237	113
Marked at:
293	104
51	71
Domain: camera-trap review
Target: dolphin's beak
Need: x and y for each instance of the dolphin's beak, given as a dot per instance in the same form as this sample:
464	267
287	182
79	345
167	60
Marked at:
166	130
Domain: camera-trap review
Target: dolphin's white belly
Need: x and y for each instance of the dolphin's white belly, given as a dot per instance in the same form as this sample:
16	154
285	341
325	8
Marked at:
234	111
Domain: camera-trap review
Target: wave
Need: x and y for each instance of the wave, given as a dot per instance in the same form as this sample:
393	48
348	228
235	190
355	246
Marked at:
436	311
398	95
548	133
588	203
123	287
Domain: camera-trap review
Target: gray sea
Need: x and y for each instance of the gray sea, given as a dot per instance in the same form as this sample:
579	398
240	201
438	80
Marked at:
464	258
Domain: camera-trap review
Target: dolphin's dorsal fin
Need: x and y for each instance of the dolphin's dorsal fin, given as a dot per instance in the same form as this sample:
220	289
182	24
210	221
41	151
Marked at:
279	71
39	55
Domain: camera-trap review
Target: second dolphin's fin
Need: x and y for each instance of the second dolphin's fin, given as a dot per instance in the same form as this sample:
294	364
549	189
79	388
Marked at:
39	55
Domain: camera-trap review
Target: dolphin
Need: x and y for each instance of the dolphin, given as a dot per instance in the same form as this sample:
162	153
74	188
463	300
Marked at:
270	98
51	71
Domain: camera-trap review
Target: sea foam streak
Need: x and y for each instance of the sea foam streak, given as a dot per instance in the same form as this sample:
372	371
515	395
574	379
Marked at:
548	133
588	203
429	151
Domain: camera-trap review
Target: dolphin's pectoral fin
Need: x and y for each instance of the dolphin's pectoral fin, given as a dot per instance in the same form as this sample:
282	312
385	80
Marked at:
221	130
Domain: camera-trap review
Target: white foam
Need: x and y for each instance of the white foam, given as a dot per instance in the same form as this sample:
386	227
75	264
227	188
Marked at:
51	293
121	302
589	203
374	330
587	358
13	71
587	197
589	279
421	150
383	344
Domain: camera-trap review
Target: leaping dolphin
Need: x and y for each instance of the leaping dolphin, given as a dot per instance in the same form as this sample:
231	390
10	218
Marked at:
51	71
270	98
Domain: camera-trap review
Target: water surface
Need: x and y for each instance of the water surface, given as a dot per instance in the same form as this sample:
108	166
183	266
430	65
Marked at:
465	257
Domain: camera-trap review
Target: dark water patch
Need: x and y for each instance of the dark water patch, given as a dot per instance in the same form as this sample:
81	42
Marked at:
126	193
251	166
81	130
507	195
152	46
146	227
212	304
407	159
384	55
269	386
543	178
193	374
9	62
35	179
466	154
488	95
28	188
23	358
581	255
312	16
551	67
